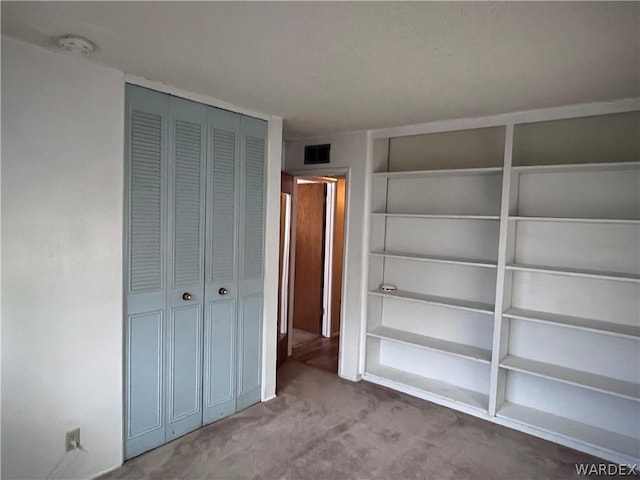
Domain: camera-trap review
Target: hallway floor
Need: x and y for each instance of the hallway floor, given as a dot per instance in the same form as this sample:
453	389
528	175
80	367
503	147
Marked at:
319	352
323	427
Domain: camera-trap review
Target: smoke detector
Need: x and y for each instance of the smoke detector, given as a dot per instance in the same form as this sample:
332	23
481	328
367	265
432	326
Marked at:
76	45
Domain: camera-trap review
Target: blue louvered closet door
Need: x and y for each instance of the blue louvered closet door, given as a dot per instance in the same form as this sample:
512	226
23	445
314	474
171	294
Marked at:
194	243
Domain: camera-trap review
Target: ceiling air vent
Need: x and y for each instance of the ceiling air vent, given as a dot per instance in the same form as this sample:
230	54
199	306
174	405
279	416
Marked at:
314	154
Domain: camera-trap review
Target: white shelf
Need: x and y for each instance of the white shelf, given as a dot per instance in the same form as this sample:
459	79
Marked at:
599	383
436	259
597	326
570	429
435	300
443	172
575	272
445	217
630	221
576	167
417	385
460	350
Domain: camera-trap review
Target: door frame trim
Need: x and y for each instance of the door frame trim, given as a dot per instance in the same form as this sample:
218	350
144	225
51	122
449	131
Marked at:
327	282
321	172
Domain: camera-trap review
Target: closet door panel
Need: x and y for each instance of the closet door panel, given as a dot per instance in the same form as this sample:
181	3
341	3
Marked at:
145	399
250	357
146	134
250	285
219	387
185	296
221	265
184	407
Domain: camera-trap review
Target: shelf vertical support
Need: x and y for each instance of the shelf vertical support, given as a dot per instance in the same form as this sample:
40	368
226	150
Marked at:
378	161
503	281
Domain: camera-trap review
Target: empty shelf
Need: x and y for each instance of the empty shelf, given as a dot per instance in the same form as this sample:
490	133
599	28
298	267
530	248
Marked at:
443	172
631	221
570	429
600	383
434	216
575	272
436	259
577	167
435	300
588	324
417	385
458	349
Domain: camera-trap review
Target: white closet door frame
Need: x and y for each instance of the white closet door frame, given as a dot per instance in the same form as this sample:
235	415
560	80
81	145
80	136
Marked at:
329	232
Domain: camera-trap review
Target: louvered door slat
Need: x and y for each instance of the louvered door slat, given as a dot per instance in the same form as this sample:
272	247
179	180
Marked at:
223	185
146	202
254	206
187	208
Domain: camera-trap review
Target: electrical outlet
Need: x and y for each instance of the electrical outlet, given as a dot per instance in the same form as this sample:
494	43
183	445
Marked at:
72	440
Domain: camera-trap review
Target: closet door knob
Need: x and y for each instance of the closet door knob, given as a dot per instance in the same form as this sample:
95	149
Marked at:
223	291
186	296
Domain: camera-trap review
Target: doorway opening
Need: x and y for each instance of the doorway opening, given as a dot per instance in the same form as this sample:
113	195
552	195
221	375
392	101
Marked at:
312	227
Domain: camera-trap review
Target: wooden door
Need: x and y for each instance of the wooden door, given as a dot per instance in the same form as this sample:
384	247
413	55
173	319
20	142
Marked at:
286	188
310	217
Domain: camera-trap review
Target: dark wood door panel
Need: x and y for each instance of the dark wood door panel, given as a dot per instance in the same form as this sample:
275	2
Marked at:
307	309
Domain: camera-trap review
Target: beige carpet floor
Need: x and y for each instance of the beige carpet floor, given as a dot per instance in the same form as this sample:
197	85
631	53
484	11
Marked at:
323	427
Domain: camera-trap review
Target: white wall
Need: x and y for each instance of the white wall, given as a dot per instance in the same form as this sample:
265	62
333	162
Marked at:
62	213
62	218
271	261
347	151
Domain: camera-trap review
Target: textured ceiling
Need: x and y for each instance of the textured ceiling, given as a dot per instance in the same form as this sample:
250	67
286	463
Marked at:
335	67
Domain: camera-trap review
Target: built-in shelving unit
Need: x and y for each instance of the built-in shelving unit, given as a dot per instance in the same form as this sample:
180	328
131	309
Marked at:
515	250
